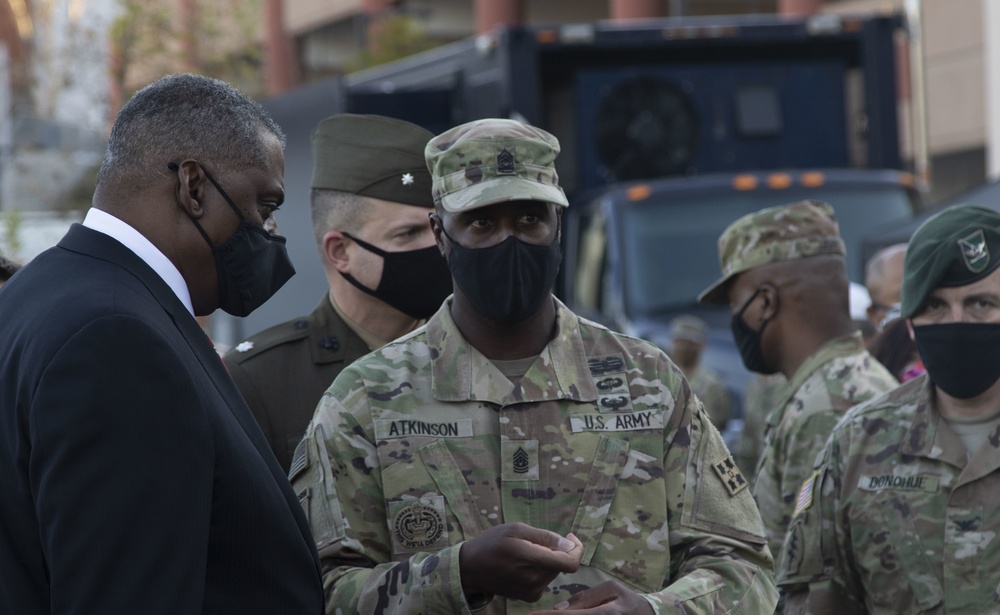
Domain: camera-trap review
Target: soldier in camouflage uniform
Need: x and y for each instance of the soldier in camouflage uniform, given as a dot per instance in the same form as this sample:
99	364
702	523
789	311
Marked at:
762	397
511	453
902	512
784	278
687	342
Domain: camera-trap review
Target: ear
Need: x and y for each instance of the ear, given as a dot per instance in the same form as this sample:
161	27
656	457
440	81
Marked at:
191	182
769	303
334	250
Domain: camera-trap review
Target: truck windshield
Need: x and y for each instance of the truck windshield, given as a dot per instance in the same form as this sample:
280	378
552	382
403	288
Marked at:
671	245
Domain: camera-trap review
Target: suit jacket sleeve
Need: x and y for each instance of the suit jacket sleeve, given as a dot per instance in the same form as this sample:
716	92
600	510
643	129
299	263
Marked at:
122	467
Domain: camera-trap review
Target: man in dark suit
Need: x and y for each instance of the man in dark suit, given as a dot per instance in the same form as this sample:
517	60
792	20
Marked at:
133	478
371	194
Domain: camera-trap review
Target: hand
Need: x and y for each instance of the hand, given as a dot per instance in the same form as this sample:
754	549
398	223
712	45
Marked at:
517	561
608	598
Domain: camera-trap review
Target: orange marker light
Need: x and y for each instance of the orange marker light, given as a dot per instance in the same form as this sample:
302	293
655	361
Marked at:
744	182
812	179
638	193
779	181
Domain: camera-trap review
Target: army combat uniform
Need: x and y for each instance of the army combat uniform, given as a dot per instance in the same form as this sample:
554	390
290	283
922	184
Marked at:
839	375
283	371
424	444
896	518
761	397
711	389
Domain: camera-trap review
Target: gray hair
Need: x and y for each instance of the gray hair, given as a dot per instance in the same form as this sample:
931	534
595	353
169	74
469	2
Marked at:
185	116
334	210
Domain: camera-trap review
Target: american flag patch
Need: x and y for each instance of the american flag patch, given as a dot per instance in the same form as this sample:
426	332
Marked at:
805	498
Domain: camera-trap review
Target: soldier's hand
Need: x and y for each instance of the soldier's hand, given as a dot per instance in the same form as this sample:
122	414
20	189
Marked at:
516	560
608	598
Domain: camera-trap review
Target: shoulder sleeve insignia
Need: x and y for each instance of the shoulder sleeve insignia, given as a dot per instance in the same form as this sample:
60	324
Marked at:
805	498
730	475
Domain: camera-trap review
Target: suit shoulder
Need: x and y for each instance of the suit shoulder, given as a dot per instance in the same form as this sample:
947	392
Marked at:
268	339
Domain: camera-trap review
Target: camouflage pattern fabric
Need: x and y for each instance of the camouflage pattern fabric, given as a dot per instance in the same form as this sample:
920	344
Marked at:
896	518
772	235
423	444
839	375
493	160
711	389
761	397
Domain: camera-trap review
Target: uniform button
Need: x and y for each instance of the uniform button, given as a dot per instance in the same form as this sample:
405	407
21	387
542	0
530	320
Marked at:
331	343
302	324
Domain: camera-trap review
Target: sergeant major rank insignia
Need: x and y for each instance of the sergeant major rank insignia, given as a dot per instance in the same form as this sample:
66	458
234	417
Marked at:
975	253
730	475
505	162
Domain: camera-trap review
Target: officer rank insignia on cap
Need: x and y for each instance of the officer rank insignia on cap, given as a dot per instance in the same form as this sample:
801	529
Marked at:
407	179
975	253
505	162
730	475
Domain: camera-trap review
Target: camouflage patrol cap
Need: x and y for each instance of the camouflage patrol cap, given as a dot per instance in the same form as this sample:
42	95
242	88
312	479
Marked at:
373	156
686	327
958	246
493	160
772	235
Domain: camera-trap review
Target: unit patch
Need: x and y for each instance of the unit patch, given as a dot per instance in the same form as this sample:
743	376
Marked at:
417	526
975	252
730	475
915	482
805	498
387	429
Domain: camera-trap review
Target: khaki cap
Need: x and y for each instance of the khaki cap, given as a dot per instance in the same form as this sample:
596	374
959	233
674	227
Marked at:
772	235
491	161
373	156
687	327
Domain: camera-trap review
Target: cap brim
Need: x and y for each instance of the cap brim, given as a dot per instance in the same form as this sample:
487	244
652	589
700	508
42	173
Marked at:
718	292
499	190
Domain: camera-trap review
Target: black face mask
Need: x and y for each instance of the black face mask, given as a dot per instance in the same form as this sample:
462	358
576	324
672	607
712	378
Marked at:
749	341
962	358
507	282
414	282
251	265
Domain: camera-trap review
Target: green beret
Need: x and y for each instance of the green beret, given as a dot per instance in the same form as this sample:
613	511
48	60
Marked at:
493	160
783	233
374	156
954	247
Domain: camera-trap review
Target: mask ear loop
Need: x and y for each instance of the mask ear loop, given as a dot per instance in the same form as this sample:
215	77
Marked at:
364	244
173	167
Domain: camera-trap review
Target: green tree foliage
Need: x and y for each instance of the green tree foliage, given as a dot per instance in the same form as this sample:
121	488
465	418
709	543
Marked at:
217	38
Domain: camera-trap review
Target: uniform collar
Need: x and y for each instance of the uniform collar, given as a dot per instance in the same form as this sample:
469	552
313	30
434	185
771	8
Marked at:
837	347
330	338
462	373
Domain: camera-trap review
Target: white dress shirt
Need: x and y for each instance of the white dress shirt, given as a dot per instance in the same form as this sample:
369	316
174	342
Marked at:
103	222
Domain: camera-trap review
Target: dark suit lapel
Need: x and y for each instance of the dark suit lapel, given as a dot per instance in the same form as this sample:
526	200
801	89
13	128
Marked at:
98	245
